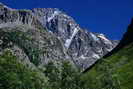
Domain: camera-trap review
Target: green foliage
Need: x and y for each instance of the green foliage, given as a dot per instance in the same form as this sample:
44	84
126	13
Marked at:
70	77
24	41
63	77
115	72
53	74
14	75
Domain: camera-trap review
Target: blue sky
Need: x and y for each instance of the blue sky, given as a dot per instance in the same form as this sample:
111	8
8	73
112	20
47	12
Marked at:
110	17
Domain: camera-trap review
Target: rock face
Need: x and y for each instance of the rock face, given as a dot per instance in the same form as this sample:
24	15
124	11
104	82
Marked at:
83	46
48	34
22	33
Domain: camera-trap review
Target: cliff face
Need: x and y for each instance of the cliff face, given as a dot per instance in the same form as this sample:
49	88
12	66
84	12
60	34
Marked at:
22	33
82	45
48	34
11	17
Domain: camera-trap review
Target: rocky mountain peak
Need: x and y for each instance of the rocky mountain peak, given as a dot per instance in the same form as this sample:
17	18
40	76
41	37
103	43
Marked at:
80	46
83	46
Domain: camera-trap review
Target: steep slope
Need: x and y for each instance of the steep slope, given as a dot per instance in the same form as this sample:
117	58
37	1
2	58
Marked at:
115	71
54	35
21	32
15	75
83	46
127	39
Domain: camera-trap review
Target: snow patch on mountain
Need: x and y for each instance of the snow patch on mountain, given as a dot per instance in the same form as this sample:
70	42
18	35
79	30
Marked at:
95	56
105	39
53	15
83	57
94	37
109	49
68	41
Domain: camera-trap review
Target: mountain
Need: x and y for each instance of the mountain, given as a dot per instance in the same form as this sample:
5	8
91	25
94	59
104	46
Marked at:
115	70
22	33
83	46
48	34
44	48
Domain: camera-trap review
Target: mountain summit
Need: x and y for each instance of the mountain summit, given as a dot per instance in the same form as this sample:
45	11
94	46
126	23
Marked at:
41	35
83	46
